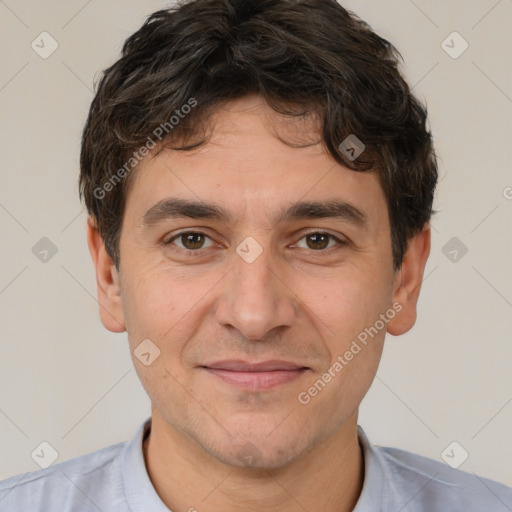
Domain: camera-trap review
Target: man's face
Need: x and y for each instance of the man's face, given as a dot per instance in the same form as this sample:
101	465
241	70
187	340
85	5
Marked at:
260	286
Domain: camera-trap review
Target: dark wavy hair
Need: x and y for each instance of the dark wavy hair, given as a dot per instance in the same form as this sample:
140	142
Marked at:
303	56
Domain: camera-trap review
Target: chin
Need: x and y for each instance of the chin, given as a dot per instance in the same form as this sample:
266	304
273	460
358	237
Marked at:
254	455
259	447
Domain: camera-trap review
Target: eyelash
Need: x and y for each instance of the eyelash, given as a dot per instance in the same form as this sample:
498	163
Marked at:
340	243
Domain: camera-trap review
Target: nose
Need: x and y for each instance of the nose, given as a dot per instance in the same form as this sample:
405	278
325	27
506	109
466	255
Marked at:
256	298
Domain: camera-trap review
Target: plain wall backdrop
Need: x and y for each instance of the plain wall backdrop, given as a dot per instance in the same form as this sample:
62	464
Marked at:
64	379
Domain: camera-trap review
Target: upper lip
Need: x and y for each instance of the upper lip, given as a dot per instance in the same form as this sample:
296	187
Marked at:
236	365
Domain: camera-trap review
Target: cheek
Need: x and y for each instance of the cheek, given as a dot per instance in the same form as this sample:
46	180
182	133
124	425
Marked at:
153	302
344	304
163	305
153	309
348	308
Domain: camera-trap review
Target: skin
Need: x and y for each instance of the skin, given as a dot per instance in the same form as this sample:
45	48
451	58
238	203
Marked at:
302	300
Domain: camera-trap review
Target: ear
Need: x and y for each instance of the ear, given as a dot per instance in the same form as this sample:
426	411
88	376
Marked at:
408	279
107	281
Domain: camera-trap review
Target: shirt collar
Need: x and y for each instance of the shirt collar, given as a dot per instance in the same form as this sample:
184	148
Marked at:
375	494
138	489
142	496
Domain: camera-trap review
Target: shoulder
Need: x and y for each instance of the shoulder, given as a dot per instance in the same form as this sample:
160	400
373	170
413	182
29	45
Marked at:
425	484
77	484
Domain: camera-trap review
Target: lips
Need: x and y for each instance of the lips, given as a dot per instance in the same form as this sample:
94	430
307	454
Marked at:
236	365
255	376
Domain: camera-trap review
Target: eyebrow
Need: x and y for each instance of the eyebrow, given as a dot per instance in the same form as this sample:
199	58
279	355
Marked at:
172	208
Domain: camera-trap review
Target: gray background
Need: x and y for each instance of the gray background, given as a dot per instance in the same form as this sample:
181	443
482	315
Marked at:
64	379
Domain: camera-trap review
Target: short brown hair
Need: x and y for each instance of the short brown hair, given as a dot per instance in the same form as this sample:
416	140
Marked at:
302	56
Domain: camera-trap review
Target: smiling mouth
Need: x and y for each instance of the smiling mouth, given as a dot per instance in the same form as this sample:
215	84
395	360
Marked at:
255	376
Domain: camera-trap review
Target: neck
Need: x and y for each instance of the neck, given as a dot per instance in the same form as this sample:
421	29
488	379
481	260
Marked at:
328	477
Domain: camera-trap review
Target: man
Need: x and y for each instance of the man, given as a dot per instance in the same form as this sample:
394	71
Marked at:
259	181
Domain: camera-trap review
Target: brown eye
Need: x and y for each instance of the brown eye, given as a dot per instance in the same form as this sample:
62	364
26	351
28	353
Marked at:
190	240
318	241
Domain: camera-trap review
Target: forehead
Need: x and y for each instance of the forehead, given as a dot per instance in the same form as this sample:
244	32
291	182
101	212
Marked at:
255	160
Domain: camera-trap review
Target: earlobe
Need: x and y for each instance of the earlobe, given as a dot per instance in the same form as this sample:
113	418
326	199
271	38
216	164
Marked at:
107	281
408	281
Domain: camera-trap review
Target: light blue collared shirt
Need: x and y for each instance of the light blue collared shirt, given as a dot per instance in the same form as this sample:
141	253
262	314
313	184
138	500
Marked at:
115	479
